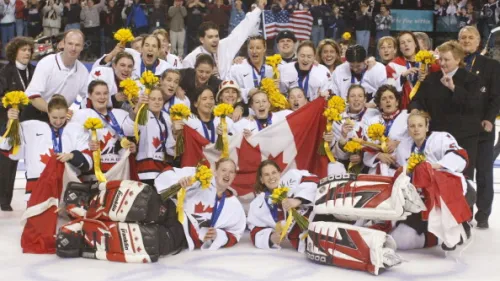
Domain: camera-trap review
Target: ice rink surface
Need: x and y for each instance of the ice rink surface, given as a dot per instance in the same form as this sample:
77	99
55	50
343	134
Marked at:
478	259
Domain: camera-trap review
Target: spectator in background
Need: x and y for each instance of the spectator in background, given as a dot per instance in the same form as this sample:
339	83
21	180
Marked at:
363	25
111	21
136	17
452	8
387	50
20	17
196	10
318	9
71	11
52	17
34	19
219	14
90	16
158	16
383	22
7	22
237	14
286	46
440	8
424	42
177	13
488	14
336	24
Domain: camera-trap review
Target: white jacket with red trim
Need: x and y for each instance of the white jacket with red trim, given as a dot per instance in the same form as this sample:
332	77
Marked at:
37	147
109	140
150	151
198	208
261	223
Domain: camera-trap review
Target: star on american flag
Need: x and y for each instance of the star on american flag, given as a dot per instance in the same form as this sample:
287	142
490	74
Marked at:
299	22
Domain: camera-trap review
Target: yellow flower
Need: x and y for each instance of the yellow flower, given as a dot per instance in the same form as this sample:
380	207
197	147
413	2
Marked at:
274	60
93	123
414	160
338	103
346	36
124	35
148	79
425	57
203	175
279	194
130	88
352	147
14	99
267	85
223	110
278	101
376	131
332	114
179	111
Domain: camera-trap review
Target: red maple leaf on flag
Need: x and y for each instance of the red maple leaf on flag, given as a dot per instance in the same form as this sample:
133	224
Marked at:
156	142
104	142
97	73
45	158
278	160
200	208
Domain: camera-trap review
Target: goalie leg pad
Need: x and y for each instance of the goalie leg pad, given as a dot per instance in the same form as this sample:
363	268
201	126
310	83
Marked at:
351	247
126	201
352	197
69	240
76	199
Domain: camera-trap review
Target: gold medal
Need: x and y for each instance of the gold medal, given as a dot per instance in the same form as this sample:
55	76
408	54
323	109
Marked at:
125	143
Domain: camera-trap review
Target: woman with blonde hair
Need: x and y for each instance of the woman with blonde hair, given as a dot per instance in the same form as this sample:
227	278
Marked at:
328	54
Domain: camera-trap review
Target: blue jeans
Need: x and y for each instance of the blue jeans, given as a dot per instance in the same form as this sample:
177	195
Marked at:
363	38
8	31
21	29
72	26
317	34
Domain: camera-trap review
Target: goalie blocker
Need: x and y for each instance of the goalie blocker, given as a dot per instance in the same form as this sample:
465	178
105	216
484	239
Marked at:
350	246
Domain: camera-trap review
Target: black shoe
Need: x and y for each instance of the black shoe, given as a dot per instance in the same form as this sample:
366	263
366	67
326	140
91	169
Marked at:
6	208
467	230
483	224
446	248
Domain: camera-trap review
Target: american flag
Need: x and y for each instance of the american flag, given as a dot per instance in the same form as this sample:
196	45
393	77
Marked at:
299	22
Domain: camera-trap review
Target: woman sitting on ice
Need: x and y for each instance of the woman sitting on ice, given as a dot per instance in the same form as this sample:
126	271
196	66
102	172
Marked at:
394	120
214	218
264	216
443	187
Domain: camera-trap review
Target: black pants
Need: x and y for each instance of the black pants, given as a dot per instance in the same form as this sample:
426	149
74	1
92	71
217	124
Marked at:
484	177
470	145
8	169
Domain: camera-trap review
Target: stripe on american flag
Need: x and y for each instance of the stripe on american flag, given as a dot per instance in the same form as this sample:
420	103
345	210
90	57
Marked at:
299	22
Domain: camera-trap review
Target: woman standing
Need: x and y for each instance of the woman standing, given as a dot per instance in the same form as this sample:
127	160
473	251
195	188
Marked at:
52	17
248	75
452	97
313	79
15	76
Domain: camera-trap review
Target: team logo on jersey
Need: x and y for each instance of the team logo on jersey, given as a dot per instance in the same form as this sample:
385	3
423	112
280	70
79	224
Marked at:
107	146
97	73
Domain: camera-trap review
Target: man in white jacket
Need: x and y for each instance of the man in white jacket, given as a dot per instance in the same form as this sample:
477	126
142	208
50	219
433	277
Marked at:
225	50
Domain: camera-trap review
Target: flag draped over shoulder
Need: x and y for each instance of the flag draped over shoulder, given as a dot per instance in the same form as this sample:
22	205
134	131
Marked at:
291	143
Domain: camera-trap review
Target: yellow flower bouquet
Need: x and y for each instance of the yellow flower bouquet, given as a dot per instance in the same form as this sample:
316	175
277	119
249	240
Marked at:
203	175
130	89
149	80
425	58
414	160
274	61
222	110
277	100
352	147
124	35
179	112
336	105
93	124
277	196
16	100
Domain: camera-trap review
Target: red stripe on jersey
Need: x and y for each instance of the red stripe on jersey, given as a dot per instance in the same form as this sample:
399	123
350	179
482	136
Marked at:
34	97
231	240
150	165
194	235
254	232
313	179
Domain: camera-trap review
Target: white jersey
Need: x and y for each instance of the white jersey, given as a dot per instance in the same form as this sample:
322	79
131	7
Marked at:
317	80
199	206
208	130
360	123
256	126
106	74
174	61
159	66
371	80
109	138
247	77
155	140
397	131
51	77
230	46
37	147
261	220
173	101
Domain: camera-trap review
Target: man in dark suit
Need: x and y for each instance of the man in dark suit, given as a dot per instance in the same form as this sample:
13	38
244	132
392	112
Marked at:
489	72
15	76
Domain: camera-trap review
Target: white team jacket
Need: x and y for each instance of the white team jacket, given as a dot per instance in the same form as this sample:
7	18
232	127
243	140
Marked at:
319	80
244	73
372	80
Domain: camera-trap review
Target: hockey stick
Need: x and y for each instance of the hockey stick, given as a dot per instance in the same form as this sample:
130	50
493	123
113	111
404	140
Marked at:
485	50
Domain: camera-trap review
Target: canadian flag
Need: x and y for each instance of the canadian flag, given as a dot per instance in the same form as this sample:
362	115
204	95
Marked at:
41	217
291	143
